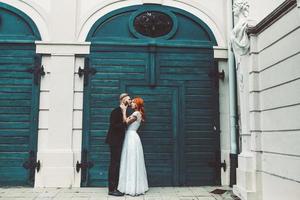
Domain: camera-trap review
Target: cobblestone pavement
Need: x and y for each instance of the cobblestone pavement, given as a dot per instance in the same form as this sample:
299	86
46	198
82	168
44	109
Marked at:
154	193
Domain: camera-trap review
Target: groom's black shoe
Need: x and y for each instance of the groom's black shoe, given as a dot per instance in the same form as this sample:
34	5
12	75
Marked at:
115	193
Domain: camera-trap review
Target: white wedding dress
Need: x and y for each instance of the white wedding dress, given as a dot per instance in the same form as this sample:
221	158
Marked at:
133	176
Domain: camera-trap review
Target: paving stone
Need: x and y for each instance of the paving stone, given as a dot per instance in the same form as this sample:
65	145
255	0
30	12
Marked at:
44	198
16	198
170	198
48	194
188	198
152	198
155	193
206	198
95	195
134	198
115	198
98	198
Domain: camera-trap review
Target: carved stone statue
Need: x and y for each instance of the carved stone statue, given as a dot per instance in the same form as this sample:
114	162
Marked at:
239	38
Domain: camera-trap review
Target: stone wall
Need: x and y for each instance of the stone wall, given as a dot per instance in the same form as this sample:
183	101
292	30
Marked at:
269	163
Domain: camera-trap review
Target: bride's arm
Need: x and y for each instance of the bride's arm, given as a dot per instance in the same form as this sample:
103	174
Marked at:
130	119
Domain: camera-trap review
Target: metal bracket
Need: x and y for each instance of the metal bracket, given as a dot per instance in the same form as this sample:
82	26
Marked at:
86	71
80	72
83	165
223	165
31	164
222	75
38	72
215	74
218	165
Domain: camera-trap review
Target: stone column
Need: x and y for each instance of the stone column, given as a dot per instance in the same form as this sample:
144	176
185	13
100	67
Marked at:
55	139
221	56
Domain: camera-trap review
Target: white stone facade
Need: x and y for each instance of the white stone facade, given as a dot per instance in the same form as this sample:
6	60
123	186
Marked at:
269	162
63	26
268	74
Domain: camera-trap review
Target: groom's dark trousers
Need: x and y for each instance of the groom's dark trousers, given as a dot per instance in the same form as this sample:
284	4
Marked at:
115	138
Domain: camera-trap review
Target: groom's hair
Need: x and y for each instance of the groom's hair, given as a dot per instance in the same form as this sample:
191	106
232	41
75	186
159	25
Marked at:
123	95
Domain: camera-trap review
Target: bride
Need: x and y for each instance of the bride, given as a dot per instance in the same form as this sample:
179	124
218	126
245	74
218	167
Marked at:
133	176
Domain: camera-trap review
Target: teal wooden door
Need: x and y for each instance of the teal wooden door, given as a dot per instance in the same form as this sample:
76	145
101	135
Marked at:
198	120
19	92
180	137
101	95
160	135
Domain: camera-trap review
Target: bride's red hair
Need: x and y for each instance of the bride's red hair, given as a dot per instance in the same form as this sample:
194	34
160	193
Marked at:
140	106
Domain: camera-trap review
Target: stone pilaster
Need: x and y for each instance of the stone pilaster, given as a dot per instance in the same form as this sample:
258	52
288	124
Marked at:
56	145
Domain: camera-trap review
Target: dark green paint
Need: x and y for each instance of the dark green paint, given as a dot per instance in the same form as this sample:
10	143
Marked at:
16	25
19	96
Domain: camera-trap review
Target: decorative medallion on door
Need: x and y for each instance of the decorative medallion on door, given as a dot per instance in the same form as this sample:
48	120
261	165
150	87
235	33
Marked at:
153	23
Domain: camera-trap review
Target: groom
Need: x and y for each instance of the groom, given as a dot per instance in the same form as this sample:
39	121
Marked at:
115	138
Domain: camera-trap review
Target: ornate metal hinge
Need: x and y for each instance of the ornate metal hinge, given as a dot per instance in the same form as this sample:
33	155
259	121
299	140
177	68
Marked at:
86	71
37	70
31	164
217	164
215	75
84	165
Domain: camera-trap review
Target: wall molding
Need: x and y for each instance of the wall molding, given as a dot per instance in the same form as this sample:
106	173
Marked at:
274	16
56	48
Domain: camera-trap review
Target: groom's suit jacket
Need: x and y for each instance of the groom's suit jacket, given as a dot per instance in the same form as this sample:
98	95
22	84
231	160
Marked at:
117	128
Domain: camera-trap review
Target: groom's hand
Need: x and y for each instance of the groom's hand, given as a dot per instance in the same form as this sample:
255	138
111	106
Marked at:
123	107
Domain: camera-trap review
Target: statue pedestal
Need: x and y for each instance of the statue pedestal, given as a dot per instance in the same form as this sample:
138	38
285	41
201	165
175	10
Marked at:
249	161
247	176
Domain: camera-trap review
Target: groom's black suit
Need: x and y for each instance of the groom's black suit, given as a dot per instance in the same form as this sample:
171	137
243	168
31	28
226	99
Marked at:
115	138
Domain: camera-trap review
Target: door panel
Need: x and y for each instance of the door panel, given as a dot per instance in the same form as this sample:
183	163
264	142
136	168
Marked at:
159	133
18	113
101	97
199	111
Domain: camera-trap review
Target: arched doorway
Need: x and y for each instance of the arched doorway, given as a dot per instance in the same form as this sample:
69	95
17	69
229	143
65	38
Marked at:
19	97
164	55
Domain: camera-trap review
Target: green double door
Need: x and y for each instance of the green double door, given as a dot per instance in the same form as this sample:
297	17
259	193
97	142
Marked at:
180	136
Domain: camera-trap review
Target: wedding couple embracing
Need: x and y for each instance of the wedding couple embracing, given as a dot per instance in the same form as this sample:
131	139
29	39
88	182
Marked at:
127	171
